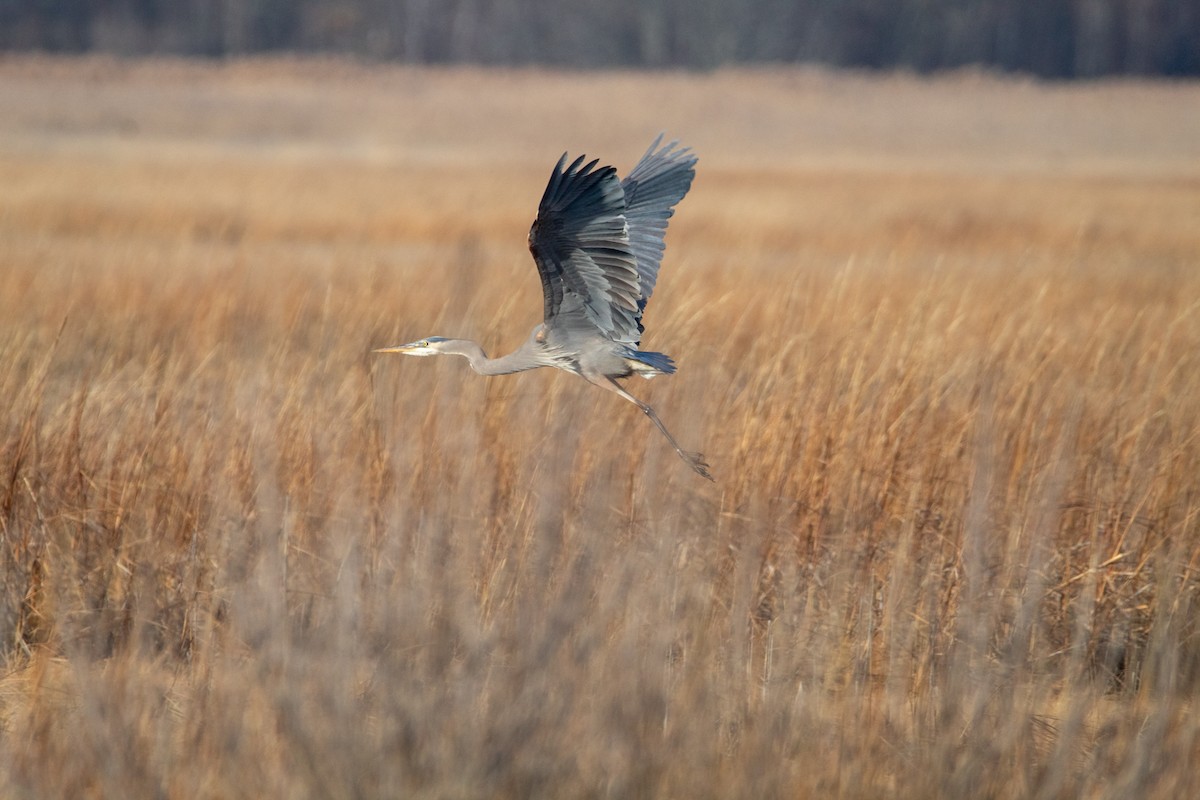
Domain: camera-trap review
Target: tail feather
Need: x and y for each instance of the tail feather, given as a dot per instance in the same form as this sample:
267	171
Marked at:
648	364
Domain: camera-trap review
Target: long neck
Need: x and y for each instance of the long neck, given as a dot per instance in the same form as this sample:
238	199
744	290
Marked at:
517	361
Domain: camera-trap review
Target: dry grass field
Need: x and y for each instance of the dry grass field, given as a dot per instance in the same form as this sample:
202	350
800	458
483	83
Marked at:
939	339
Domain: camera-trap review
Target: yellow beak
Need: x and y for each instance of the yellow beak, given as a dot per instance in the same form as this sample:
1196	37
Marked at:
400	348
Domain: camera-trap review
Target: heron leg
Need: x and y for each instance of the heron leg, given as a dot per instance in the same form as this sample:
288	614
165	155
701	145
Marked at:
694	460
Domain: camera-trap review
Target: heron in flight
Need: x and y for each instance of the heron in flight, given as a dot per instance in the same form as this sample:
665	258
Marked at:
597	242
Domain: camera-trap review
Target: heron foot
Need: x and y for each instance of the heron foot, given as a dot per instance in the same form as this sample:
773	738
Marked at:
698	464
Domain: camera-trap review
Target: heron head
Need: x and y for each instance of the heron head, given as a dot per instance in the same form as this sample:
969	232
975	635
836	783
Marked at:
425	347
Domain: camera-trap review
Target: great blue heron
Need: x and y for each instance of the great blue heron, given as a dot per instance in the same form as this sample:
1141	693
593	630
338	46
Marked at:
597	242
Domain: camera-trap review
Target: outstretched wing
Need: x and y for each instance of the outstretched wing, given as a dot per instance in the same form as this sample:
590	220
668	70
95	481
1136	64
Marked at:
581	245
660	180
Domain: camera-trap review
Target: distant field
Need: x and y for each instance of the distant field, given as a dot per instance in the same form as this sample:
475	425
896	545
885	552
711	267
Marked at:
939	340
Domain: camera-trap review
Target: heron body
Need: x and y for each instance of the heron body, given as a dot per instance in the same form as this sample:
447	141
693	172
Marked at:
598	242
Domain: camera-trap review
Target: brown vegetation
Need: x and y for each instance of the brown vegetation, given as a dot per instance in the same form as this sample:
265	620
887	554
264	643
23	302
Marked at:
953	412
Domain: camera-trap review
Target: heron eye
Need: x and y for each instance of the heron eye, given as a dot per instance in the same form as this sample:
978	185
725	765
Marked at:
424	343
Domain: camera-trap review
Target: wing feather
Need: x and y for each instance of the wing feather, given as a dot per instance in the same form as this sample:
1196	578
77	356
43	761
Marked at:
581	247
652	189
598	242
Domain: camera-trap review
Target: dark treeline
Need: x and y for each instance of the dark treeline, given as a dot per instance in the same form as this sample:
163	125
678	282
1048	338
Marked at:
1053	38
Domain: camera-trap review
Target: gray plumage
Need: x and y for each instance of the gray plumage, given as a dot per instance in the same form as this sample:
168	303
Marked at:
598	243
